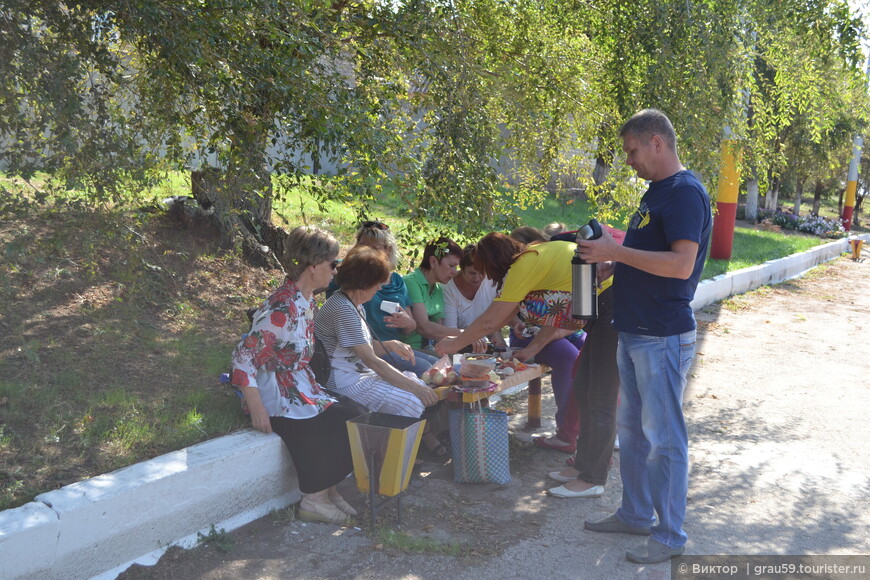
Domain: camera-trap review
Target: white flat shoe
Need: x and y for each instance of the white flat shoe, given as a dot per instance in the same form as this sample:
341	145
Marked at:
557	475
562	491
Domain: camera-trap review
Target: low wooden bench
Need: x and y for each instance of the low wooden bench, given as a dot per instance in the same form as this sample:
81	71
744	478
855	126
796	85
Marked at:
531	375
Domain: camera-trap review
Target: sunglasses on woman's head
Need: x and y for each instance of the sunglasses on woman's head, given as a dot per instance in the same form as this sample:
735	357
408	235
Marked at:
376	224
334	264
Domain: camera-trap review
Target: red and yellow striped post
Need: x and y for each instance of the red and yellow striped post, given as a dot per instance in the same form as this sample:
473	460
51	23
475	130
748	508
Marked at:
726	204
852	178
851	184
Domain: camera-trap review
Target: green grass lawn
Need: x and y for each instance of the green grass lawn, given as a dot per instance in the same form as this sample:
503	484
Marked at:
752	247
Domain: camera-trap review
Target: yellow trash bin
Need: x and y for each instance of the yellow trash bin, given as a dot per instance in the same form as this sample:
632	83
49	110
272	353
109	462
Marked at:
856	248
387	445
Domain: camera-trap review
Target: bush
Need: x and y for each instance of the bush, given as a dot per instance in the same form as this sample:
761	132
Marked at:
815	225
785	219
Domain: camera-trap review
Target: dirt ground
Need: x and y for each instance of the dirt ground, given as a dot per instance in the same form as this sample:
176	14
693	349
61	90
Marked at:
775	408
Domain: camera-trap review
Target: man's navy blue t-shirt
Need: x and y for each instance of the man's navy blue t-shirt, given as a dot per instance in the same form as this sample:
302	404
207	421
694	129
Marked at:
675	208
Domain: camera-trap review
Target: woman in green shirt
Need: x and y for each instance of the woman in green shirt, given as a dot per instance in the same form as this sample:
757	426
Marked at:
438	266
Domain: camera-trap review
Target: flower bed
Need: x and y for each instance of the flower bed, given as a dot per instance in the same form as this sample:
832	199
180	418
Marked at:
815	225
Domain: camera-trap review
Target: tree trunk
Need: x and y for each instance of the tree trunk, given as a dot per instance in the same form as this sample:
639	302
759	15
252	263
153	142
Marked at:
772	197
752	199
817	197
241	202
798	194
315	157
601	171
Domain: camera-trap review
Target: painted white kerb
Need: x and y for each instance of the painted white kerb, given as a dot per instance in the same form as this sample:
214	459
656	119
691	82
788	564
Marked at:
100	526
771	272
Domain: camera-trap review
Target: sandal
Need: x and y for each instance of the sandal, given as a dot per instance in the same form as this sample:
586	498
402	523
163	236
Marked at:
327	514
341	504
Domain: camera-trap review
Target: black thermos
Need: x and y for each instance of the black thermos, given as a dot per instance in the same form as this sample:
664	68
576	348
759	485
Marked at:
584	277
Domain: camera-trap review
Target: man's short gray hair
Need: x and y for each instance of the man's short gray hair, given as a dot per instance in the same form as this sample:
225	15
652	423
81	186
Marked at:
648	122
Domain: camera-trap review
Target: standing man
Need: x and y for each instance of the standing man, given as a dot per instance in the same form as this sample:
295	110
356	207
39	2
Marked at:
657	269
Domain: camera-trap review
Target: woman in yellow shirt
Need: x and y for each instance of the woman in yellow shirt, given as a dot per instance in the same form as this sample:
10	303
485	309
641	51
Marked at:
534	281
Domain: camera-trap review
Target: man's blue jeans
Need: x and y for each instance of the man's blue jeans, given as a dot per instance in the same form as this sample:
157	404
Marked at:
654	453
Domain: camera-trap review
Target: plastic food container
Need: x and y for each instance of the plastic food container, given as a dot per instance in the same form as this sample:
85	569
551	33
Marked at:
477	366
474	383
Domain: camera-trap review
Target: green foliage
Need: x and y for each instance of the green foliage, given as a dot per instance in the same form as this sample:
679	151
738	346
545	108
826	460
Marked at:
220	540
805	90
466	106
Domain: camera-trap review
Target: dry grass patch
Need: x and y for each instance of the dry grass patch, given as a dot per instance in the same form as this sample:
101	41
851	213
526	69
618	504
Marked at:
114	330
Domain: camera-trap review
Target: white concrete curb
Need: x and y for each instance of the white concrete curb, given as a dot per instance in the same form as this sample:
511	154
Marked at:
771	272
98	527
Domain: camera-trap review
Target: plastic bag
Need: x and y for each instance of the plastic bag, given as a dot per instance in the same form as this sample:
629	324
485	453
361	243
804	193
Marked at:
476	365
441	373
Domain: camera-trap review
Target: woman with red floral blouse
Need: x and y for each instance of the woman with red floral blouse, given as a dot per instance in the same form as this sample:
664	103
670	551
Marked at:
271	369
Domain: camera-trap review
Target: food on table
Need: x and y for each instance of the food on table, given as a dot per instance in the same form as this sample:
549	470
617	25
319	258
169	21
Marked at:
440	377
514	364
